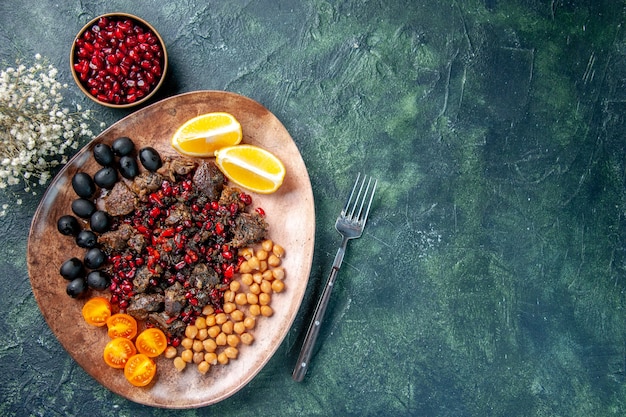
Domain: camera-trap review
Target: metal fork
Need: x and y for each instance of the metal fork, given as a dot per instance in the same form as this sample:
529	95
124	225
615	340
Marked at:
350	225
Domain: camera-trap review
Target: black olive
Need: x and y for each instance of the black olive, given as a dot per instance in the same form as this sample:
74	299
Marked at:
72	269
83	185
83	208
128	167
76	287
86	239
98	280
150	158
103	154
94	258
105	177
123	146
68	225
99	221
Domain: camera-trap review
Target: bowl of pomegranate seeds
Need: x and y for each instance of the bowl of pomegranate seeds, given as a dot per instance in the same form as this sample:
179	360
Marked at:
118	60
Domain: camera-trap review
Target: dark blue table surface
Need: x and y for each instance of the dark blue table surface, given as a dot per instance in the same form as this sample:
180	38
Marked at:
490	279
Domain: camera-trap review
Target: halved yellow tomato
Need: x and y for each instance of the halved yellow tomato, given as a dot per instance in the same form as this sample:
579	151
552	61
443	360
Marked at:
151	342
122	325
140	370
118	351
97	311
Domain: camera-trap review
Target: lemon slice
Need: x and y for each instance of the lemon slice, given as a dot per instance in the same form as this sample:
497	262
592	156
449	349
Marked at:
251	167
204	134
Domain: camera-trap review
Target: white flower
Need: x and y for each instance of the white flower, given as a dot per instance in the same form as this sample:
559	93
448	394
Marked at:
35	129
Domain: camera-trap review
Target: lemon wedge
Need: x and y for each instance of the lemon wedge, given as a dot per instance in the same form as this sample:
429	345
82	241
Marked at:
204	134
251	167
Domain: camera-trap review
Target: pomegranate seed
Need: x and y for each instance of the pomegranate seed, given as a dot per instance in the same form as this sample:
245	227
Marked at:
113	45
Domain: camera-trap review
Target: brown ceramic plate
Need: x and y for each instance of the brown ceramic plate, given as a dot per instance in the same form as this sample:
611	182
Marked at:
290	215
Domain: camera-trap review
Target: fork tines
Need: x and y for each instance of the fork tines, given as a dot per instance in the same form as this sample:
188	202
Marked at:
365	188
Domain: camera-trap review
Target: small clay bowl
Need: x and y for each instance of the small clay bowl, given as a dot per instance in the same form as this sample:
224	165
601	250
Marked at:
118	60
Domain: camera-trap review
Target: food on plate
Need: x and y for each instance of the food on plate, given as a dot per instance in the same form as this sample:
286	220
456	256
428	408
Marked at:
83	185
97	311
72	268
181	252
204	134
140	370
251	167
68	225
123	146
150	158
122	325
98	280
76	287
118	351
151	342
103	154
215	336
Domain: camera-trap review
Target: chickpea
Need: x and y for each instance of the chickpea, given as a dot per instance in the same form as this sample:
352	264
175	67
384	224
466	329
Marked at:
191	331
239	327
268	275
278	250
209	345
210	320
198	357
255	289
253	263
264	299
246	338
262	266
273	260
214	331
231	352
252	298
187	355
247	279
235	286
202	334
262	255
211	358
229	296
229	307
245	267
266	287
197	346
255	310
278	286
249	322
241	299
187	343
201	323
179	363
203	367
221	318
237	315
222	359
246	253
221	339
170	352
257	277
232	340
267	245
278	273
266	311
207	310
227	328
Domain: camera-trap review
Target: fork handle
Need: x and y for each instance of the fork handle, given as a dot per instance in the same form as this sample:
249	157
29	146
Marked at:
302	365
